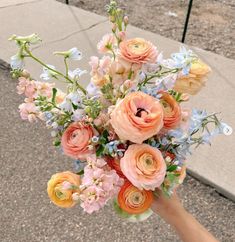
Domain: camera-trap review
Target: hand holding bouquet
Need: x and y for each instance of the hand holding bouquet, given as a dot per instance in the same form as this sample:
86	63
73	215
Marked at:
127	130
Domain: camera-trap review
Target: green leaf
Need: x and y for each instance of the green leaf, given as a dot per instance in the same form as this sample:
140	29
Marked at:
172	168
100	150
56	143
171	177
131	217
54	91
80	172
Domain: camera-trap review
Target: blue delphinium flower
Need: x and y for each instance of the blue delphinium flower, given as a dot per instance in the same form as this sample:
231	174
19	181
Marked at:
196	119
183	60
79	166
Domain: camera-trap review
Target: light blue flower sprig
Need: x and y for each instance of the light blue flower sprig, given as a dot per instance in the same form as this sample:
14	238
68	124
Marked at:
183	59
79	165
112	149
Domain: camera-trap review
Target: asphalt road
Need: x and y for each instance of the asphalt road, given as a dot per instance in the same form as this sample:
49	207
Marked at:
28	159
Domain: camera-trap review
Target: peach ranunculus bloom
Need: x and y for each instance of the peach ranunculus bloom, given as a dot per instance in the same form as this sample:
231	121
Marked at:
137	117
144	166
172	111
76	139
138	51
134	201
62	188
195	80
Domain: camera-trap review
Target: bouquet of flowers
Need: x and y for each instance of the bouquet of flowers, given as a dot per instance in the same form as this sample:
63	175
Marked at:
127	131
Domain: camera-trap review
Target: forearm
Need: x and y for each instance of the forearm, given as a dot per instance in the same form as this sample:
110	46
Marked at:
187	227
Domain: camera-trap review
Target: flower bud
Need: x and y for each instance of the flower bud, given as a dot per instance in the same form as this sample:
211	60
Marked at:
126	20
25	74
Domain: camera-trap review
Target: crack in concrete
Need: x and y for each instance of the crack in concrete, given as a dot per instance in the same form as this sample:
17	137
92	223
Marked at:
70	34
20	4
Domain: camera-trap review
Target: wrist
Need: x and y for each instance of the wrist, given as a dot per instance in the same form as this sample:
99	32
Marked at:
173	215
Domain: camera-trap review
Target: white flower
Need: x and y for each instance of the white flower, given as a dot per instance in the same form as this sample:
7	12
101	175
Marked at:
166	82
32	39
75	97
66	105
74	54
47	73
53	133
78	114
227	130
92	90
17	62
76	74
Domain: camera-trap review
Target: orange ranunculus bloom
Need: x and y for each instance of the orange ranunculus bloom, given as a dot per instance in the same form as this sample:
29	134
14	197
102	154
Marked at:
114	163
59	195
137	117
138	51
171	110
195	80
134	201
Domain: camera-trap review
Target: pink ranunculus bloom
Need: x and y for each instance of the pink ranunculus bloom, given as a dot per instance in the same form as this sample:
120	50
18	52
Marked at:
106	43
138	51
144	166
75	140
28	111
137	117
26	87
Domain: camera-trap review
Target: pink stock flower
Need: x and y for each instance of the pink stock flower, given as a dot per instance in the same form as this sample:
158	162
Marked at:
92	199
106	44
144	166
120	71
137	117
28	111
76	139
32	89
26	87
100	183
44	88
185	116
99	69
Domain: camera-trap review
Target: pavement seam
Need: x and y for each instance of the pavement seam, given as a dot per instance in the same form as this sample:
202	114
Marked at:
20	4
70	35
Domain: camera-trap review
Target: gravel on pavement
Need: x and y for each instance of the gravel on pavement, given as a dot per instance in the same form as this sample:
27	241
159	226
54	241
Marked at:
28	159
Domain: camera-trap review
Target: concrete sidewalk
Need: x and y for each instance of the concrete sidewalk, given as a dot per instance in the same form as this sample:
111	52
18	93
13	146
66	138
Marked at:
62	27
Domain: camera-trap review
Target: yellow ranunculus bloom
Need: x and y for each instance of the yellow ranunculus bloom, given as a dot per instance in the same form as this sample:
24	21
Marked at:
195	80
58	193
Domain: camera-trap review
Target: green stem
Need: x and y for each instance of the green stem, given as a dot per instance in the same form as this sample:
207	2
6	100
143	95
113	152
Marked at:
49	68
66	67
159	74
114	56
